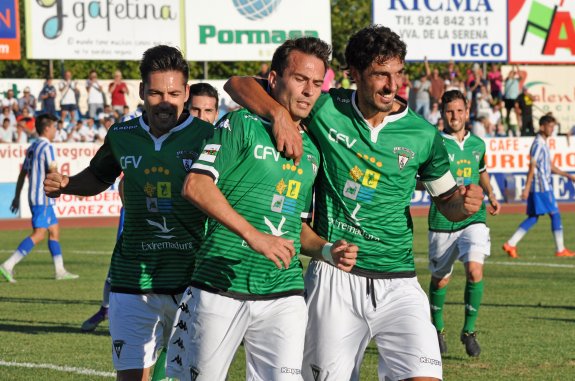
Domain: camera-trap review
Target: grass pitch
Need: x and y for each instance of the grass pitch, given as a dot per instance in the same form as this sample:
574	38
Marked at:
526	323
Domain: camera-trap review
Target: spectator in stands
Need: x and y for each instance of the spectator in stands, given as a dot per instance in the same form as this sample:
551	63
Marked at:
28	119
96	97
125	113
69	97
88	131
264	71
10	101
422	97
345	82
74	134
8	114
108	112
102	131
436	81
47	97
61	133
6	132
495	79
136	114
27	101
511	90
118	91
482	128
452	72
524	110
21	135
434	114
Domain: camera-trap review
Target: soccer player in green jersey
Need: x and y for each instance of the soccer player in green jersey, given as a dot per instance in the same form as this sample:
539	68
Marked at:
468	240
372	148
203	102
247	282
153	259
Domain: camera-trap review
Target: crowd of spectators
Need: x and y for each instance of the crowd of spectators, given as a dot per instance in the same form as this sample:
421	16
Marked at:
17	118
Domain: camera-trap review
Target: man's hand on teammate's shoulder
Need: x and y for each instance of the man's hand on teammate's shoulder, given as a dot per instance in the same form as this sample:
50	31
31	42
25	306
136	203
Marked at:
54	183
344	255
286	133
278	250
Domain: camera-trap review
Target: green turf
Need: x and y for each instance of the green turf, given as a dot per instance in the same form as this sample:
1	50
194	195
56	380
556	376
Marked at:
526	323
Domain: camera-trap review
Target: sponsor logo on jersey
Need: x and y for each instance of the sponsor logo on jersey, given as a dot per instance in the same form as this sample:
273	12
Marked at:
340	138
210	152
343	100
180	343
177	360
276	231
118	345
427	360
285	369
403	156
261	152
194	373
163	230
127	161
224	124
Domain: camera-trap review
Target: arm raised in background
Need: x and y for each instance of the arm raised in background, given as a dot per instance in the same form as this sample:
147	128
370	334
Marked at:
201	191
247	92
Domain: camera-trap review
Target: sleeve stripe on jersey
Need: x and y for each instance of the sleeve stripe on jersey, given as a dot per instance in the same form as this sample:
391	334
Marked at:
306	216
441	185
206	170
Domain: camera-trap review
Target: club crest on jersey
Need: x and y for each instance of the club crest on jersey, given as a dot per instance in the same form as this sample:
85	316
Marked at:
285	203
403	156
188	158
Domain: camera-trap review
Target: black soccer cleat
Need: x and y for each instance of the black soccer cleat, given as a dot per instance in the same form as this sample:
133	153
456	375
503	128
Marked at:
469	339
442	342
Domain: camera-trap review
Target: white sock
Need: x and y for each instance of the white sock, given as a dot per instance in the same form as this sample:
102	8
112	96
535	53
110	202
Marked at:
58	264
559	243
516	237
16	257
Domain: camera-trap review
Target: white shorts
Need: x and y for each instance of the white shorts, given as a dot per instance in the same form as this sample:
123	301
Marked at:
140	325
346	311
208	334
471	244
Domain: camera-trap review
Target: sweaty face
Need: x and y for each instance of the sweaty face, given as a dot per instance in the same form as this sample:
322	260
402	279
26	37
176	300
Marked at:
204	107
455	113
299	86
377	85
164	95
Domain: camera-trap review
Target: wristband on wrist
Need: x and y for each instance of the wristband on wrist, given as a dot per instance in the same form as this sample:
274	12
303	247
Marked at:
326	253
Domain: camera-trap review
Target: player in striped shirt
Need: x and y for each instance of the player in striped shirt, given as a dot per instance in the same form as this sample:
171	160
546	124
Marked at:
538	192
40	159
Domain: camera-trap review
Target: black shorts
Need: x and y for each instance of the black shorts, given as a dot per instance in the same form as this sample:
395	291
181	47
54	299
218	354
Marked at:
68	107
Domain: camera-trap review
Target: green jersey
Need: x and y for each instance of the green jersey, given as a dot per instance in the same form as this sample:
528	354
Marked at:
368	175
161	229
467	162
270	192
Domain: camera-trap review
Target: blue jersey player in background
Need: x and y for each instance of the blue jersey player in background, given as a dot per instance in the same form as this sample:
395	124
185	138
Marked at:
40	159
538	192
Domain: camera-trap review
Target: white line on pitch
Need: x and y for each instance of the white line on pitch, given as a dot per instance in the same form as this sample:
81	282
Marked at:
91	252
519	263
67	369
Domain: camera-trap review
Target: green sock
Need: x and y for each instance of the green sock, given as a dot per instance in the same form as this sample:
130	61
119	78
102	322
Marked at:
473	296
160	367
436	301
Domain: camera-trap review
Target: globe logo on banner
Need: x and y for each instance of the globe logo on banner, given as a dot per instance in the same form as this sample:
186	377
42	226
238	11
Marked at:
256	9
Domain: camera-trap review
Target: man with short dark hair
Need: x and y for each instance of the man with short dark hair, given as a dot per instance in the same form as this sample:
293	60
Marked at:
373	147
40	160
153	259
204	102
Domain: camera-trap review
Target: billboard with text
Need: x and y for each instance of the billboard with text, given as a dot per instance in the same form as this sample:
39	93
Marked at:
542	31
100	30
250	30
9	30
471	30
